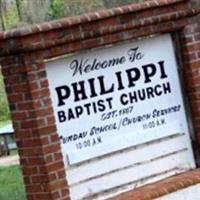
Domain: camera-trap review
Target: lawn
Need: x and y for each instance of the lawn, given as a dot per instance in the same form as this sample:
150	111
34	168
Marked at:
11	183
4	123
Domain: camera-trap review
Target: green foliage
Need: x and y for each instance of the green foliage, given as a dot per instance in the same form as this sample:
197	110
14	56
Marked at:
61	8
56	9
4	110
11	17
11	183
78	7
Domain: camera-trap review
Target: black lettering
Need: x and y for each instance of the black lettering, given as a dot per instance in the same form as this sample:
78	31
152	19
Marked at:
141	94
149	71
162	70
79	111
167	88
94	107
158	91
119	79
92	87
133	96
109	100
61	116
123	99
70	114
79	93
103	90
101	105
87	106
63	92
133	75
150	92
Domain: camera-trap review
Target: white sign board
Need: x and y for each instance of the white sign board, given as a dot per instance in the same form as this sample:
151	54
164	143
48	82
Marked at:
116	97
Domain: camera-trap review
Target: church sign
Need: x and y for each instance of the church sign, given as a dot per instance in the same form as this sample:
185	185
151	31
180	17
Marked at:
112	98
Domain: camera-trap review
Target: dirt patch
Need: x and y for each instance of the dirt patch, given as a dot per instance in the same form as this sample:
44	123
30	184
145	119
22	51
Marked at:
9	160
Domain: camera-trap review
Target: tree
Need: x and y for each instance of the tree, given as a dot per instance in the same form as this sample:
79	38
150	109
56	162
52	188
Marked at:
114	3
1	16
18	4
36	11
63	8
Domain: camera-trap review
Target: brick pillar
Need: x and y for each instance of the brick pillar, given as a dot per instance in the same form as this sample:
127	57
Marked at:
34	124
190	49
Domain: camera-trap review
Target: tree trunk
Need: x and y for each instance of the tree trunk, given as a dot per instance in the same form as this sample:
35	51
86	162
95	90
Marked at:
19	9
1	16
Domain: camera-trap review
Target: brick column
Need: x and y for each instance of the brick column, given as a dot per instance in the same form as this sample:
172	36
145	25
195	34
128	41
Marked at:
190	50
34	124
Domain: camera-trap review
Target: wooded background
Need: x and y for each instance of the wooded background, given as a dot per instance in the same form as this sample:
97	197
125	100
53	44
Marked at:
17	13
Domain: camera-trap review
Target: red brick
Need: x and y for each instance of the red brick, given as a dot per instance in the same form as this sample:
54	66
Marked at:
32	123
190	56
65	193
31	39
12	80
51	120
31	77
21	88
90	26
34	189
56	195
44	84
15	98
43	196
47	102
31	142
52	176
195	64
52	52
30	151
27	179
51	35
39	179
55	166
42	169
45	130
58	156
197	37
23	134
58	185
51	148
49	158
20	116
29	170
55	138
36	160
40	93
61	174
44	112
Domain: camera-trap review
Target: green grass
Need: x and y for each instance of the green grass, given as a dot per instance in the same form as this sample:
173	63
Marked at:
13	152
11	183
4	109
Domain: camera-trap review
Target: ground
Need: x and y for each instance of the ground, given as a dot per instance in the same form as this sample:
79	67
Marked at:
9	160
